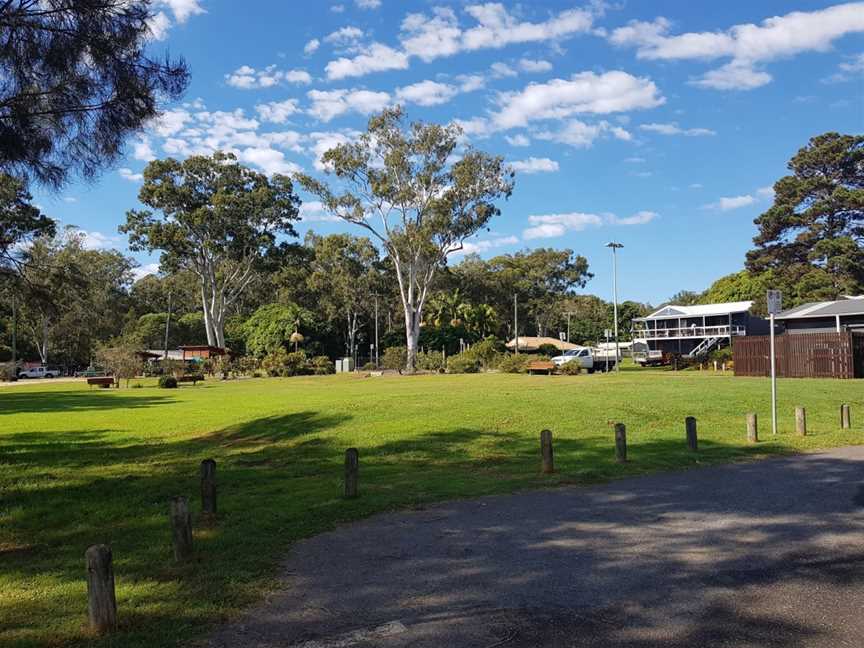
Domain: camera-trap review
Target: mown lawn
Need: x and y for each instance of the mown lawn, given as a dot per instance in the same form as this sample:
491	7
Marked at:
79	467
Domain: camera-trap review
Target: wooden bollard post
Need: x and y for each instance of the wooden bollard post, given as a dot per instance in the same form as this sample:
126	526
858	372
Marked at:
101	601
801	421
845	417
208	487
546	451
181	528
752	427
352	470
620	443
690	426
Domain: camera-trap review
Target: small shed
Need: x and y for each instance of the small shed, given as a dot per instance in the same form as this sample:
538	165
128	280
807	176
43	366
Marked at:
530	344
201	352
825	317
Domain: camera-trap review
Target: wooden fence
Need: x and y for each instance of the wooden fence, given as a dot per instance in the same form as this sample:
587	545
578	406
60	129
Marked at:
802	355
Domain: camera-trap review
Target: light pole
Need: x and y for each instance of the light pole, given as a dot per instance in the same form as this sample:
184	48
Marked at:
516	322
569	313
376	331
615	247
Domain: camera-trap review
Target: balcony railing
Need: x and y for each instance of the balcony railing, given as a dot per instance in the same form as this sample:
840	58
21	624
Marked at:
688	332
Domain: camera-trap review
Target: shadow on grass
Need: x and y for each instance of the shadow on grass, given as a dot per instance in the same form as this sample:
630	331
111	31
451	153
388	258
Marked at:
280	480
74	401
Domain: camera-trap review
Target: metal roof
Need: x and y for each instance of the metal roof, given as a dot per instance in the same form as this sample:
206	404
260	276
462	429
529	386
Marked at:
849	306
698	310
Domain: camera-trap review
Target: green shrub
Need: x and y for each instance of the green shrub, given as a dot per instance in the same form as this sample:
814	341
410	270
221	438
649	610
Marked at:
512	363
572	368
462	363
395	357
488	352
369	366
548	350
322	365
721	355
137	386
7	372
167	382
430	361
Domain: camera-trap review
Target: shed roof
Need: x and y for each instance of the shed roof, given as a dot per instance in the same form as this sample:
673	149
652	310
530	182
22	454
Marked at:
848	306
698	310
528	343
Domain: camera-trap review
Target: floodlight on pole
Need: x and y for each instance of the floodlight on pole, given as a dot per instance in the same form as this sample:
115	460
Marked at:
615	247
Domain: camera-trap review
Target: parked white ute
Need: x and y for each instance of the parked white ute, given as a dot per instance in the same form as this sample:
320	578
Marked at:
589	359
39	372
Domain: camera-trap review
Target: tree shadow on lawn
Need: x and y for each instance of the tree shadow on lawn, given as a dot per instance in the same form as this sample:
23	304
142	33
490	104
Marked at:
276	484
74	401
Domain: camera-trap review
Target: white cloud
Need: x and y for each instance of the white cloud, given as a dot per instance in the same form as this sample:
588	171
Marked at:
367	4
584	92
324	141
746	44
497	28
765	192
277	112
733	76
343	36
674	129
581	135
171	122
552	225
159	23
268	160
127	174
634	160
535	165
851	69
427	93
98	240
639	218
695	185
470	82
502	70
313	211
439	34
378	58
337	8
248	78
518	140
312	46
529	65
731	202
144	270
327	104
183	9
70	199
484	245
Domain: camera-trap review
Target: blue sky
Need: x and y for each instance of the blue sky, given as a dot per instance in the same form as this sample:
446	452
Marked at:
659	124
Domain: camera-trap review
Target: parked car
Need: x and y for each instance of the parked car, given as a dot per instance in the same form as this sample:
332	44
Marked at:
39	372
589	359
90	372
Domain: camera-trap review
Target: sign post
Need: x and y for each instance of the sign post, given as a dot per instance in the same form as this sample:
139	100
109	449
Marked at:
775	306
608	335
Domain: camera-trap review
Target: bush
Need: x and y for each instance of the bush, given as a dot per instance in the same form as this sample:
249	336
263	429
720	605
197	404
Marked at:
282	363
488	351
395	357
167	382
572	368
7	372
548	350
369	366
430	361
321	366
462	363
513	363
721	355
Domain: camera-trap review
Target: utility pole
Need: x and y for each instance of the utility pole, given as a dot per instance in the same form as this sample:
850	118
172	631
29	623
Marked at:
516	322
615	247
167	324
376	331
569	313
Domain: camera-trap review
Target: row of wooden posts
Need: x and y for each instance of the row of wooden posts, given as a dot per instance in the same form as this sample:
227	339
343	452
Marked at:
102	604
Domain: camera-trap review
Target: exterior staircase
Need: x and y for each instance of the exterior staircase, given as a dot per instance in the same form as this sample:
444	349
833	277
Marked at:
705	346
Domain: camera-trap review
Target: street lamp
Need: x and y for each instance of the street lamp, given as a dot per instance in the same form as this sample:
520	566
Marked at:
615	247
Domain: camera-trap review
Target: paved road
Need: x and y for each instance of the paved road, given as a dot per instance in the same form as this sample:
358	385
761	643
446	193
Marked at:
757	554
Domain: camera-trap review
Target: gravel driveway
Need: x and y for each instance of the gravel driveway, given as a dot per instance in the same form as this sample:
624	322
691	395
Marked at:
767	553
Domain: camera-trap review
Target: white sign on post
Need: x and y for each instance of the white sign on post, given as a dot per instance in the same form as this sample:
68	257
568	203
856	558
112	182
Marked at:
563	336
775	302
608	333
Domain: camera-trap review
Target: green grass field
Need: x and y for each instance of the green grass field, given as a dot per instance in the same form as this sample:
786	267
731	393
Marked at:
79	467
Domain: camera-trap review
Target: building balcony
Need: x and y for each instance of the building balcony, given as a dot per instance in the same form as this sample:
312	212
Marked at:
688	332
